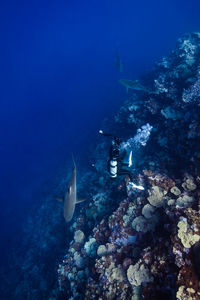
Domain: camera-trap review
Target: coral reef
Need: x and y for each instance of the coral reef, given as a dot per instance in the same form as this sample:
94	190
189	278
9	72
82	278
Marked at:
125	243
193	92
145	244
135	248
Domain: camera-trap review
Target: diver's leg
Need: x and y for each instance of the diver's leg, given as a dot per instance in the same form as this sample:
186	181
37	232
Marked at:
126	172
124	164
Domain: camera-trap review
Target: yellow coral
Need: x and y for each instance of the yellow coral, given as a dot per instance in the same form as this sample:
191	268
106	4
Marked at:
182	294
189	184
118	274
175	190
157	196
186	234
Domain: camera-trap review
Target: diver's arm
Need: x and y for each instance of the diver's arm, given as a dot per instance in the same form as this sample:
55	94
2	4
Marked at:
107	134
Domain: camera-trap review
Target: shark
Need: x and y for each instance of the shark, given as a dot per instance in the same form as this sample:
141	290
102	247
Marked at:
70	197
119	63
134	85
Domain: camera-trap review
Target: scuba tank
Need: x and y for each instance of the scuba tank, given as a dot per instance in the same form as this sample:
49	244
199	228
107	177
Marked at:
113	161
113	168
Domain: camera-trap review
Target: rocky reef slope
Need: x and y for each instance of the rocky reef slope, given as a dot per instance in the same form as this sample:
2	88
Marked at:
144	244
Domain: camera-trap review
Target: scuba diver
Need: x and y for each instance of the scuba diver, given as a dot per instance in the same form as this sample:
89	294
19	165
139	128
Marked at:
120	160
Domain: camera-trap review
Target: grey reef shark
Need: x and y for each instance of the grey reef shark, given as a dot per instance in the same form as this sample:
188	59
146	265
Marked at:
119	63
134	85
70	197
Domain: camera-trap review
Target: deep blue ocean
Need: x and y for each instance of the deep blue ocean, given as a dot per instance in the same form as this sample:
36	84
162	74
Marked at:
58	81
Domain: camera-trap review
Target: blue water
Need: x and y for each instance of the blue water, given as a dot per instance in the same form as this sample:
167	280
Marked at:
58	81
